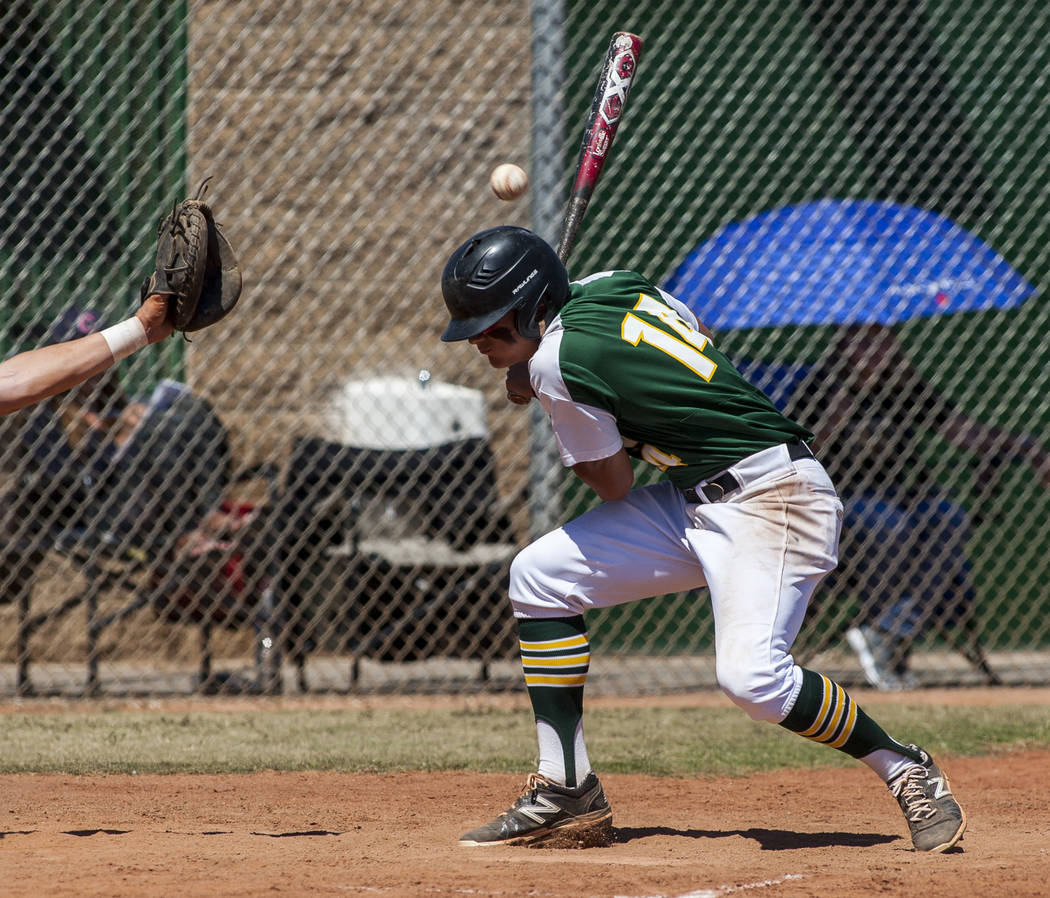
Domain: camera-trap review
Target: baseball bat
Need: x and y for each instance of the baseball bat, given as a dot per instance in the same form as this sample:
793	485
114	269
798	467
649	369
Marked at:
603	121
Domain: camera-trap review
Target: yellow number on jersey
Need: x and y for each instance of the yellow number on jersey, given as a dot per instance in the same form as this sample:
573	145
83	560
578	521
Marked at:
686	350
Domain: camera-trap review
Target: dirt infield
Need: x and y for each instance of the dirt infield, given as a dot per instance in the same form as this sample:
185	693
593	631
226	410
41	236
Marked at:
827	833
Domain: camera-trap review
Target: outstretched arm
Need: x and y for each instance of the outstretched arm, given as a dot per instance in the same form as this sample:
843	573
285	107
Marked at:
39	373
993	445
996	446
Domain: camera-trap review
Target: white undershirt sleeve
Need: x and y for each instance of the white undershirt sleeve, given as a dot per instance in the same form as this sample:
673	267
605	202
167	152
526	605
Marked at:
582	432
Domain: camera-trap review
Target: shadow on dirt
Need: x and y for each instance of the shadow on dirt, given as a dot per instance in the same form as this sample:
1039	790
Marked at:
768	839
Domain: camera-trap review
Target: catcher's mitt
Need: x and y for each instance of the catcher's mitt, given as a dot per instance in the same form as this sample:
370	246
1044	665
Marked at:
195	266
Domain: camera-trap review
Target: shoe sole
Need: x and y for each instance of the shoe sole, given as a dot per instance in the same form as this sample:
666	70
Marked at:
859	644
593	830
952	841
857	641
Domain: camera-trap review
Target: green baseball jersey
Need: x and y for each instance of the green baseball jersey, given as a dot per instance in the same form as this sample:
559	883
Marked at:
623	363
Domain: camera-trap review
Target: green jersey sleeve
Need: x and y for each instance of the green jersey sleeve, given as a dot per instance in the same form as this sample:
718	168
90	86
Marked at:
624	361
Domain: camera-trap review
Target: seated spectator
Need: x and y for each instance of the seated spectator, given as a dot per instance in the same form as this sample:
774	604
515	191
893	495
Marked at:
100	469
904	539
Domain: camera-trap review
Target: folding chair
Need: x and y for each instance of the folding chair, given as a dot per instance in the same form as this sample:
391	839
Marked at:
348	582
121	515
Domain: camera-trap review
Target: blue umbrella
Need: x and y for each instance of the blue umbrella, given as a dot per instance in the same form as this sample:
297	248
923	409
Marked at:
843	262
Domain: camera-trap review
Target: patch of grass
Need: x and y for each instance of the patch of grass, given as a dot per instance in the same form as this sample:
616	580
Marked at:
717	742
654	740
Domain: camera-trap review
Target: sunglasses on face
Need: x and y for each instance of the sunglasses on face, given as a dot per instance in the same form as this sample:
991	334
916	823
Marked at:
498	331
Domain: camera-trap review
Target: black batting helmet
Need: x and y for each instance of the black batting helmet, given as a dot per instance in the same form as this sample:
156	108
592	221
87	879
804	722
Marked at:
498	270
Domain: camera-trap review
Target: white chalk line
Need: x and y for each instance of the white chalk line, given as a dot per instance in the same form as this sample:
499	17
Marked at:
719	891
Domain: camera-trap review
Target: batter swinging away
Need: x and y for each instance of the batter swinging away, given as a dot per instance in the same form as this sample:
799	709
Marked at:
623	369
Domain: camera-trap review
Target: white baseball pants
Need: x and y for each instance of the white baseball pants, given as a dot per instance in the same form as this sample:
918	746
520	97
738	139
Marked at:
761	551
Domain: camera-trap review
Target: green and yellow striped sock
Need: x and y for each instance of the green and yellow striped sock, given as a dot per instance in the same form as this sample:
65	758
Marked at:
825	712
555	655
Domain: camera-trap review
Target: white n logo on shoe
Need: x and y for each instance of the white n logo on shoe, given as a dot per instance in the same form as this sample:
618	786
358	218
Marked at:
540	808
941	787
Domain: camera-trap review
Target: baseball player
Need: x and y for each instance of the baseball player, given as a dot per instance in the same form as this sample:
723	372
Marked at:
36	374
623	369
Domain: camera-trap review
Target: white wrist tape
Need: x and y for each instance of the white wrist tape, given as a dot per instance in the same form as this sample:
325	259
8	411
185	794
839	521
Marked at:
124	338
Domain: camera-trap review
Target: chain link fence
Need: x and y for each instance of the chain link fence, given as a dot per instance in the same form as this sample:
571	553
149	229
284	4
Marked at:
317	495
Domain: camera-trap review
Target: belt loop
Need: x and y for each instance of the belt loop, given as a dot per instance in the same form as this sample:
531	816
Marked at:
714	489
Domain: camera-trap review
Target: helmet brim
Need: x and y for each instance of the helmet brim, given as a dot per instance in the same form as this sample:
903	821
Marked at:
465	328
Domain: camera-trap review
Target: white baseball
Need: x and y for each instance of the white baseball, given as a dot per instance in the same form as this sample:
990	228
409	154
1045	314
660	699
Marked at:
509	181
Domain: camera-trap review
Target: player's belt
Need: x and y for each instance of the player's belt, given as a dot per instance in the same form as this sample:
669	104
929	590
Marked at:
716	488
